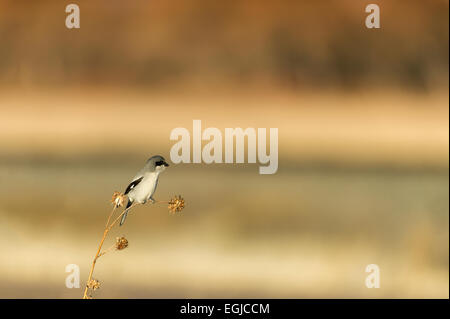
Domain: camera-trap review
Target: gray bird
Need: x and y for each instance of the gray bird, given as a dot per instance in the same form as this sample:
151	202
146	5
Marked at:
143	185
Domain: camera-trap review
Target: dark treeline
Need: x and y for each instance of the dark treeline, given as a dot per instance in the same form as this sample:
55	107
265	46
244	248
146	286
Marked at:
294	44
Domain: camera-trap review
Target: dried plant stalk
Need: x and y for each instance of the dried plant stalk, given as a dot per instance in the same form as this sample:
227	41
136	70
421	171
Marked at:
118	199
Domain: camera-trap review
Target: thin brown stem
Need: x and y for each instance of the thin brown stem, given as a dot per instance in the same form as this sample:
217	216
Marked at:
107	250
110	215
120	216
98	254
85	296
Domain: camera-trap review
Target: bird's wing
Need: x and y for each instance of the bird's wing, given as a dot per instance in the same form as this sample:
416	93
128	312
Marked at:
133	184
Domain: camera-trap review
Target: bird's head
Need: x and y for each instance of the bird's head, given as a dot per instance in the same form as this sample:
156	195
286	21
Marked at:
157	163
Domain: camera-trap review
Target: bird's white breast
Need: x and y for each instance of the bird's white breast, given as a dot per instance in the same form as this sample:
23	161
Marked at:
145	189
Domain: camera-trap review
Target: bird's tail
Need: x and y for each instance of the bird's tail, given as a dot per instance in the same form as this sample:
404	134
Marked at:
124	216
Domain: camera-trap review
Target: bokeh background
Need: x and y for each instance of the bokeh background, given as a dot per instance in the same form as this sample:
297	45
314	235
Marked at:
363	124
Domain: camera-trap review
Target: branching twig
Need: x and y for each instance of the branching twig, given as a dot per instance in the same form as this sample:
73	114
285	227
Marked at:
98	254
175	205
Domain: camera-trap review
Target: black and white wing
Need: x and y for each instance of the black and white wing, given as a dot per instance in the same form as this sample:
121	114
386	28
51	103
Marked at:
133	184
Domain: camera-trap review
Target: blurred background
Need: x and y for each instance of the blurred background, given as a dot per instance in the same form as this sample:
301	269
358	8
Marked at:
363	124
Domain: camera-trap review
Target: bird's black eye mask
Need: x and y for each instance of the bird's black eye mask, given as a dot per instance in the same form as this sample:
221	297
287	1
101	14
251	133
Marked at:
161	163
